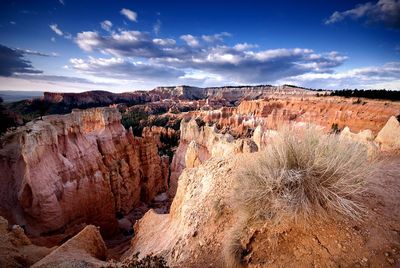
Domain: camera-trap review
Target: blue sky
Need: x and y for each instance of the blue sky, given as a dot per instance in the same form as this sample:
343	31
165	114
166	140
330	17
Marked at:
122	45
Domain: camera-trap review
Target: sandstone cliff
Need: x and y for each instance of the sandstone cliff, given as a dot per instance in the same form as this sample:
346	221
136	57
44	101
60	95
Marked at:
79	167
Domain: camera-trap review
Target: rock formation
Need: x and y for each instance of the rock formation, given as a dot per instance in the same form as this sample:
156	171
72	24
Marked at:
200	142
79	167
388	137
86	249
324	111
16	250
189	228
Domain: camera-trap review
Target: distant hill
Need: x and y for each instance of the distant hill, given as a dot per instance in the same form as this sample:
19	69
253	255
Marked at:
12	95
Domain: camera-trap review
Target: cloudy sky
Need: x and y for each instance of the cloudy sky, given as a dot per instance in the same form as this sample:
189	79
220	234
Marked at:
122	45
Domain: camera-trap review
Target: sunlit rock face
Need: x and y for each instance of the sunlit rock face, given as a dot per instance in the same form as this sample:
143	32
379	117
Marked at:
388	137
274	112
200	142
79	167
86	249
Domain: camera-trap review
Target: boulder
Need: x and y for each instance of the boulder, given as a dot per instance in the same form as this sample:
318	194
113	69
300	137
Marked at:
389	136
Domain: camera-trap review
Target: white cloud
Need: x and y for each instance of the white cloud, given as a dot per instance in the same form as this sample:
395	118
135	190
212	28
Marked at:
106	25
244	46
215	37
61	2
164	42
53	39
54	28
157	27
13	22
190	40
88	40
385	11
129	14
122	68
239	63
372	77
67	36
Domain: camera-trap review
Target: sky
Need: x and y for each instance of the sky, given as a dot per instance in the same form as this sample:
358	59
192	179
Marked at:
125	45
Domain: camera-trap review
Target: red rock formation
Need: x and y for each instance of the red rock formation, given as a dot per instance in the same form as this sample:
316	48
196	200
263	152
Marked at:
199	143
80	167
324	111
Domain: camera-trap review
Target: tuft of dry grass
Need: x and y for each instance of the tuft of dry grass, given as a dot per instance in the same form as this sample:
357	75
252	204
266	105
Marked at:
233	250
303	173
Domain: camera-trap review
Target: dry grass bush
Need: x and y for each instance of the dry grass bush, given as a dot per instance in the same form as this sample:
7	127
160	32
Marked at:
302	174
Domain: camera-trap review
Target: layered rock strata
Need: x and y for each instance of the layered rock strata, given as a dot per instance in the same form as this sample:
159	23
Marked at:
79	167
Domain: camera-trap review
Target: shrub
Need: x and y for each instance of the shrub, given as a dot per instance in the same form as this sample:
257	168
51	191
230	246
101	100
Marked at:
303	173
200	122
335	128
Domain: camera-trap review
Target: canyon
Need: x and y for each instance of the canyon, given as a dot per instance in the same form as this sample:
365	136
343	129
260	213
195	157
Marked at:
64	174
79	167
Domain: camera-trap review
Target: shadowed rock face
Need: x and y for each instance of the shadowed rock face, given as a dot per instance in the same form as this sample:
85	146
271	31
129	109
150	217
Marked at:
16	250
79	167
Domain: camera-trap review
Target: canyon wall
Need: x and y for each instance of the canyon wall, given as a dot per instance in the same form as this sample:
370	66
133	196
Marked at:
230	94
74	168
324	111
